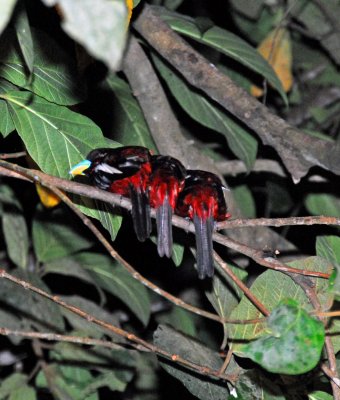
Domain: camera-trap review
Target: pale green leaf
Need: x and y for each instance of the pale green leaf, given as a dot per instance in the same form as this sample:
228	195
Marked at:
6	9
100	26
323	204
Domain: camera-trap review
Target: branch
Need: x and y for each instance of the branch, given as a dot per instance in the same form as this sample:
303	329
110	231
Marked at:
94	193
298	151
118	331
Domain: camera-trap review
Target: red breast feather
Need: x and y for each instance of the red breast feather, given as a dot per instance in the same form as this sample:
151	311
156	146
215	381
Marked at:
166	181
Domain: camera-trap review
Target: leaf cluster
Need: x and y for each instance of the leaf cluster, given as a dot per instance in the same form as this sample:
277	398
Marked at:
64	90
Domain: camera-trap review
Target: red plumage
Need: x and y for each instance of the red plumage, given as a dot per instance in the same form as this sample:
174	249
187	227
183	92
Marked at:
166	181
202	200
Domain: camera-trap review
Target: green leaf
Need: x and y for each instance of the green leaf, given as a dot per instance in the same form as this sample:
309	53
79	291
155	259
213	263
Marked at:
94	24
66	382
16	235
23	392
111	276
86	327
245	201
11	383
319	395
229	44
7	7
6	122
54	74
176	343
129	119
56	234
271	287
328	247
177	253
33	309
240	141
24	36
294	344
55	137
14	228
323	204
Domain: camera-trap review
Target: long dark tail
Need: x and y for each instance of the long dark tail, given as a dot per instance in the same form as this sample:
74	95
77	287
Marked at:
164	228
204	246
140	213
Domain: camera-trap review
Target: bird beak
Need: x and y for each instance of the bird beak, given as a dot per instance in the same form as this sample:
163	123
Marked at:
80	168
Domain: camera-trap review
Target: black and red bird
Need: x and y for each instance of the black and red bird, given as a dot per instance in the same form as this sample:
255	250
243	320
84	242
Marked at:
165	183
123	170
202	200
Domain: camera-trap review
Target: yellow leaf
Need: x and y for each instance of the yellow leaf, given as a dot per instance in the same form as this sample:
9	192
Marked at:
277	50
48	198
129	5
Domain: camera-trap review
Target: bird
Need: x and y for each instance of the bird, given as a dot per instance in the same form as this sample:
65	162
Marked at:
165	183
123	170
202	200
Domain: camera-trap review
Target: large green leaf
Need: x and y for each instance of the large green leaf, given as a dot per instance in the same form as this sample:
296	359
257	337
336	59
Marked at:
240	141
54	75
111	276
129	119
12	382
56	234
100	26
57	139
323	204
293	345
229	44
271	287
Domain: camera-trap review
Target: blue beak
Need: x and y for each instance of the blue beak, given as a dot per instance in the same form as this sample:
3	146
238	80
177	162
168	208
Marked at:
80	168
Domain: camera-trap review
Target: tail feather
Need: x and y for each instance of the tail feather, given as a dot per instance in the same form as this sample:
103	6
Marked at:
140	213
204	246
164	228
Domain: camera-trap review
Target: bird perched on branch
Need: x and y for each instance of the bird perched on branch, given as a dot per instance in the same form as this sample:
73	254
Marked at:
202	200
123	170
165	183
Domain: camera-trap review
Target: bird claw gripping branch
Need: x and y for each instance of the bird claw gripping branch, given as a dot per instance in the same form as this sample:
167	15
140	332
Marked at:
202	200
163	183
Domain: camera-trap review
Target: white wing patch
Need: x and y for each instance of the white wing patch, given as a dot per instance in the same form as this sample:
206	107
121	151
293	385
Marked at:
108	169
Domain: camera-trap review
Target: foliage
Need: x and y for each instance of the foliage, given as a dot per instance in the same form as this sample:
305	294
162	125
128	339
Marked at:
64	90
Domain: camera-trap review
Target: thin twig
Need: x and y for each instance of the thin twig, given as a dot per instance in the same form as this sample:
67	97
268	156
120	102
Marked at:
241	285
60	338
118	331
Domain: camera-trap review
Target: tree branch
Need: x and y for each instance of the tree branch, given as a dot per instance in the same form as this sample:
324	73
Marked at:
298	151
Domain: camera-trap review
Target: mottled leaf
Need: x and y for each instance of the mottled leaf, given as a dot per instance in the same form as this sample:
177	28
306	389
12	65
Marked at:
293	345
